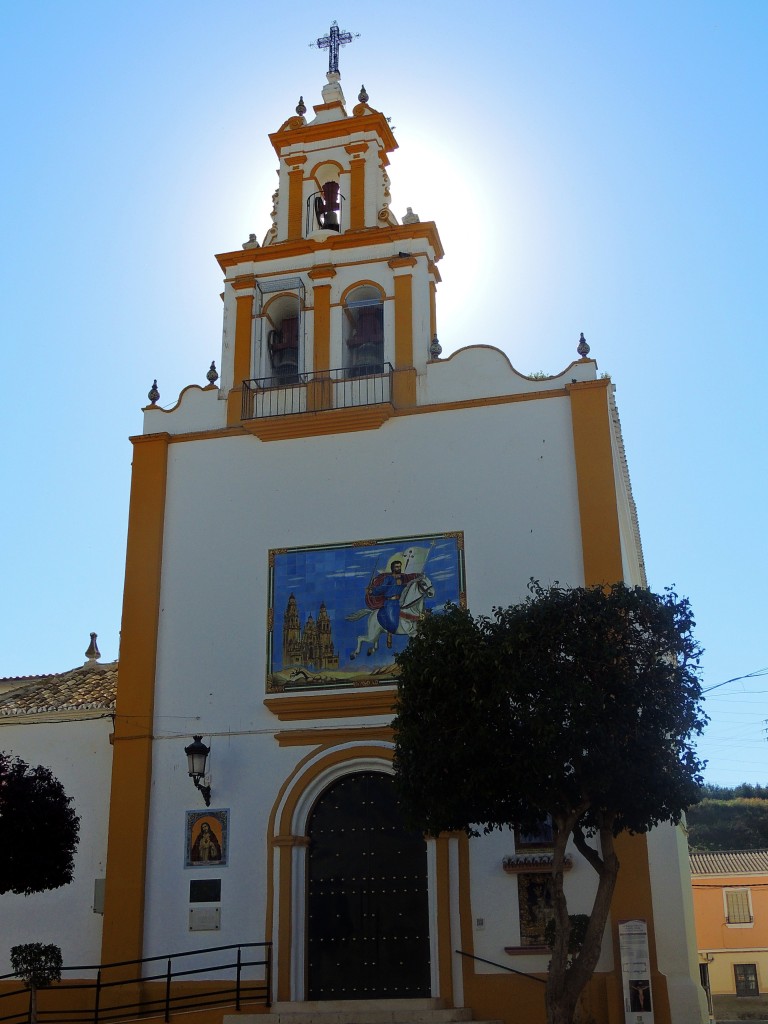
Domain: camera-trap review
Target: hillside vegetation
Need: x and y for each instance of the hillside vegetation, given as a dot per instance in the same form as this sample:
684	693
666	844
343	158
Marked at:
730	818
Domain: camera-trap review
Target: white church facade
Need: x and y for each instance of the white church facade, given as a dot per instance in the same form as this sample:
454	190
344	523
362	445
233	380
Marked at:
289	524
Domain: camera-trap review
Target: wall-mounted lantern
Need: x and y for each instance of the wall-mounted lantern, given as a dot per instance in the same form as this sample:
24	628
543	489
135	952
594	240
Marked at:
197	755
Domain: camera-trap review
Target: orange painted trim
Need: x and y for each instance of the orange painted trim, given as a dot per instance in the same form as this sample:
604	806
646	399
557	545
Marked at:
282	837
632	898
332	737
319	423
355	148
357	195
362	283
404	389
325	163
601	546
356	418
123	931
310	706
297	246
372	121
403	320
295	204
322	327
320	273
243	281
242	360
596	484
402	261
243	334
334	105
296	160
432	309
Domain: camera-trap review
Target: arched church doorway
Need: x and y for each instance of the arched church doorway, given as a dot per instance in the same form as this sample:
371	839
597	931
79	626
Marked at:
367	901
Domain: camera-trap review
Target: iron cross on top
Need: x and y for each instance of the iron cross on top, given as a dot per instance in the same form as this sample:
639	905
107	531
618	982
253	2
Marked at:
335	39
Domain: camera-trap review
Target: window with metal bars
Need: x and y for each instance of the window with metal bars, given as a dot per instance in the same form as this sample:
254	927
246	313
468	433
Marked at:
738	908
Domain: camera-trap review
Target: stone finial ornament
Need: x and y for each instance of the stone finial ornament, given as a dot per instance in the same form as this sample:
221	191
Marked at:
93	653
362	95
435	348
153	394
583	347
252	243
301	107
212	376
409	217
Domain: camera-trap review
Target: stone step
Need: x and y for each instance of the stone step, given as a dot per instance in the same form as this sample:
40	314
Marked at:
359	1011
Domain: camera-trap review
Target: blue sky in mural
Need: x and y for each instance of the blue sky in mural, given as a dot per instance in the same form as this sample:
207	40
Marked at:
595	167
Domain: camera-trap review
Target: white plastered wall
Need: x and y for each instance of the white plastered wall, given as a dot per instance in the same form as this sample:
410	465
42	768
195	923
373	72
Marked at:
674	922
80	756
503	475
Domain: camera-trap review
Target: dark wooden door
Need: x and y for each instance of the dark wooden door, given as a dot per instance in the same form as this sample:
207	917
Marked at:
368	921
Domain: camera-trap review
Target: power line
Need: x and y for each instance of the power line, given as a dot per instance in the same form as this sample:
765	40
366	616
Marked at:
750	675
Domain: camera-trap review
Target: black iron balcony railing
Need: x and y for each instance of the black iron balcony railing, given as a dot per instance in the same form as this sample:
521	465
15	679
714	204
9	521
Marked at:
156	986
294	393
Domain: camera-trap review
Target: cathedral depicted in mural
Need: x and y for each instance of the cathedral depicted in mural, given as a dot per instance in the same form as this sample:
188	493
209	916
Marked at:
339	614
312	645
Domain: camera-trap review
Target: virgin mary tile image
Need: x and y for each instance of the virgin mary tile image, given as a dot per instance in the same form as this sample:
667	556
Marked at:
339	614
206	838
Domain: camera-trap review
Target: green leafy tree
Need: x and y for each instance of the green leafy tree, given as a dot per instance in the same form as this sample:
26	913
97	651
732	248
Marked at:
578	704
39	828
38	965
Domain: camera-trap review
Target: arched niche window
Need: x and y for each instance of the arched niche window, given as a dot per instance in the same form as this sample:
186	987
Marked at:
363	332
324	206
282	326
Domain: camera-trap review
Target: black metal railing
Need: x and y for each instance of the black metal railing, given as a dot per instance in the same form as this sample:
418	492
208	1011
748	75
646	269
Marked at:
135	994
341	388
492	963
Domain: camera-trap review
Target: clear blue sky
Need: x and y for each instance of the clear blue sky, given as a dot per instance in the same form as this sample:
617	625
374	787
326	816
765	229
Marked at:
593	167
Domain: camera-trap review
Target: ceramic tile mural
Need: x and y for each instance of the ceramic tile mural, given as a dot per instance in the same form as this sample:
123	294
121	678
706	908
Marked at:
338	614
206	838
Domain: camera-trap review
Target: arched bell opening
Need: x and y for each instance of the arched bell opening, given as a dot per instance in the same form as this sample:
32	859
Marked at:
324	206
363	332
282	333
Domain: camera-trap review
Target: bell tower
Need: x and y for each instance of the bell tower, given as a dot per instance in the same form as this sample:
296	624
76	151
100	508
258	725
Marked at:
334	312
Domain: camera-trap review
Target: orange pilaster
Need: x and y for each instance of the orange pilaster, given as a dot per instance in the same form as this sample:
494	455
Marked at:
598	511
242	360
601	546
295	201
403	314
132	760
357	198
322	334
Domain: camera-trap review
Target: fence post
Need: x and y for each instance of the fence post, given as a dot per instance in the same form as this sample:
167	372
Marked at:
97	998
168	992
237	986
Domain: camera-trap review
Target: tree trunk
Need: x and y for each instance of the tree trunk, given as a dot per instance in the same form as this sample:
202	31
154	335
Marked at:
33	1004
567	980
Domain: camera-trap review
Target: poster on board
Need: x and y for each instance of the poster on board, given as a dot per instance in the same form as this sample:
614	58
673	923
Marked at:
635	972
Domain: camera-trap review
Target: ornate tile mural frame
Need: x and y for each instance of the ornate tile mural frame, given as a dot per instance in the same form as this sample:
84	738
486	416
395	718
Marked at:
209	851
339	613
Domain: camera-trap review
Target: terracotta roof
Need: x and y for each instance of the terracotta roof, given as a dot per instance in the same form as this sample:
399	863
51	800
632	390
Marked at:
89	687
729	862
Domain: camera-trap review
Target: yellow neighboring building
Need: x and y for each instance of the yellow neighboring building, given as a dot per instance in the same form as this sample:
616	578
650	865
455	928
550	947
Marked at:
730	901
